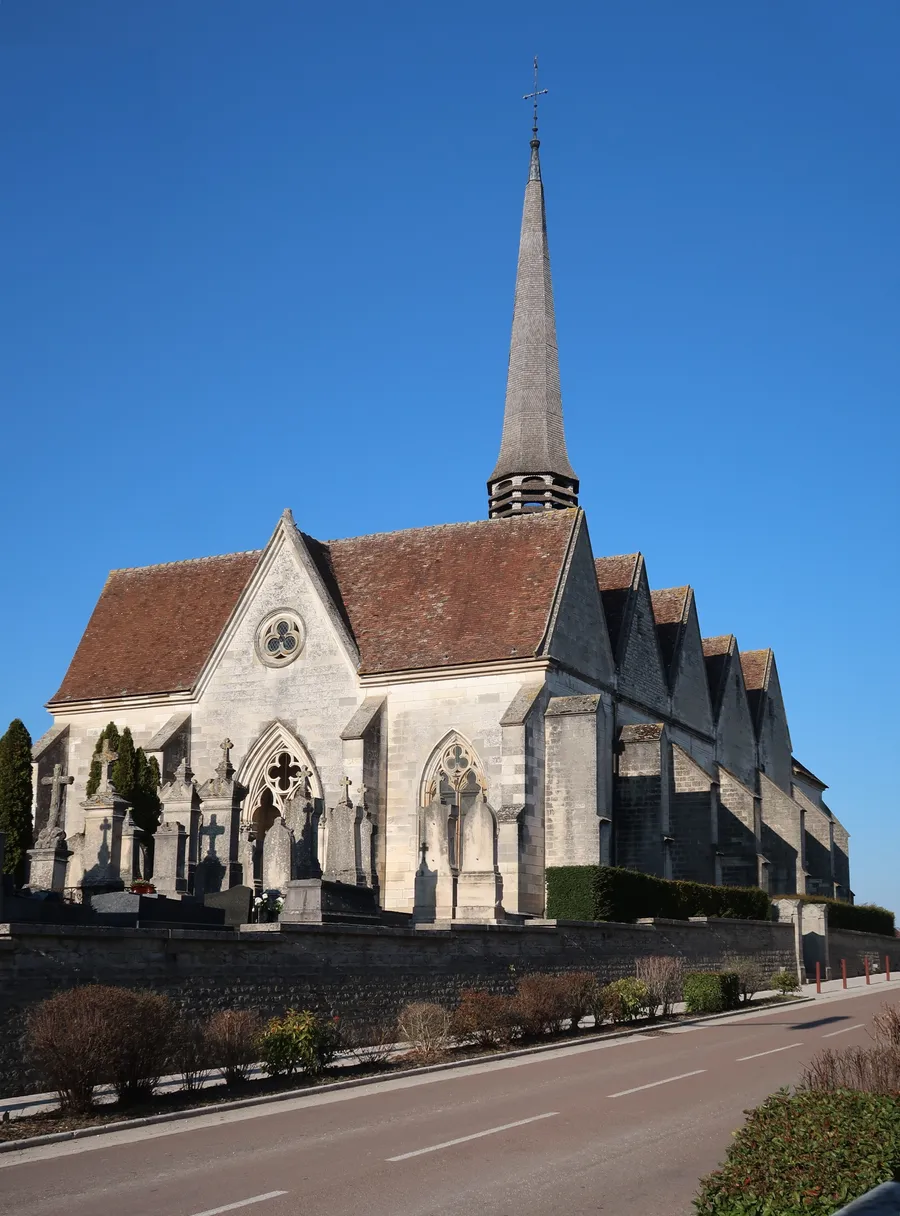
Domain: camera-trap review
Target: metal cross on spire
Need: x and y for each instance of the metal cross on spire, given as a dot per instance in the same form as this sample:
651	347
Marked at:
533	96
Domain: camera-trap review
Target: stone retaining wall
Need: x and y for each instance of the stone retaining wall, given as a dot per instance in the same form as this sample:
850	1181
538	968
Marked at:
361	973
856	947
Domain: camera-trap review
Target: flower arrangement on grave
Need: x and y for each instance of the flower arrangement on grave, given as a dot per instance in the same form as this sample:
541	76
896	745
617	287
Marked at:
267	907
141	886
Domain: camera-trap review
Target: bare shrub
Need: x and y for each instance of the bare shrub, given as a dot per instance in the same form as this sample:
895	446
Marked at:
190	1053
485	1018
752	977
541	1004
232	1036
426	1028
886	1026
664	978
578	990
871	1070
67	1040
141	1052
371	1044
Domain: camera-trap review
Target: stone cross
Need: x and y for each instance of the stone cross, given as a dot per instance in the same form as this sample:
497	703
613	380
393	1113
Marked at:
345	785
57	781
106	758
183	773
225	768
305	786
361	794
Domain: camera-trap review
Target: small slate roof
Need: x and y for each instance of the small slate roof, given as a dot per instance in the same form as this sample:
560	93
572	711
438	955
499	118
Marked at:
421	598
802	771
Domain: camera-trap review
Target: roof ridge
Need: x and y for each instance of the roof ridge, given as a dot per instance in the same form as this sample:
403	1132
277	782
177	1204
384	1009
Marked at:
186	561
470	523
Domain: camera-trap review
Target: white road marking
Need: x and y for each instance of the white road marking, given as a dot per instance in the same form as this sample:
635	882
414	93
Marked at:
653	1084
756	1055
846	1030
242	1203
491	1131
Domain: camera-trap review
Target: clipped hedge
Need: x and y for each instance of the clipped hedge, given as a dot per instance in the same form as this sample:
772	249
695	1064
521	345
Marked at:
711	991
864	918
611	893
805	1154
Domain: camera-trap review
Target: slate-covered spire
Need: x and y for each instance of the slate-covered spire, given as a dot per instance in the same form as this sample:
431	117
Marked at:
533	472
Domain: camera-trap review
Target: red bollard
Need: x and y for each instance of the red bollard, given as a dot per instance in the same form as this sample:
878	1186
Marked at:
868	977
887	968
844	971
819	979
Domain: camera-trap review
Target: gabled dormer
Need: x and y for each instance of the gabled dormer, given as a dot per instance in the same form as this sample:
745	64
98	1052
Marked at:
625	592
681	647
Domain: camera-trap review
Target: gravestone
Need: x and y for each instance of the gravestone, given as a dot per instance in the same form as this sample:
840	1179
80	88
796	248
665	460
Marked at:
236	903
130	909
315	901
479	886
342	841
104	814
278	855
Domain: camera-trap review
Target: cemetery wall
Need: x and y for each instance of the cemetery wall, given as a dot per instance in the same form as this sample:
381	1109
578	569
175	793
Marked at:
360	973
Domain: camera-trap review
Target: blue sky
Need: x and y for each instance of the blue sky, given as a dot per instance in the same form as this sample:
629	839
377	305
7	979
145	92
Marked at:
262	254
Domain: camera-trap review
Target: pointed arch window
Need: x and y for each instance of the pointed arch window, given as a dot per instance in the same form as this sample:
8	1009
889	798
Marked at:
457	781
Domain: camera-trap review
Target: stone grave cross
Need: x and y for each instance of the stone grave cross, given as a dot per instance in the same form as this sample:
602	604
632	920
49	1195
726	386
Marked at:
345	785
57	782
106	758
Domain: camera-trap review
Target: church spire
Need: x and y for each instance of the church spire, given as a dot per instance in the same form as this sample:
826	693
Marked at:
533	471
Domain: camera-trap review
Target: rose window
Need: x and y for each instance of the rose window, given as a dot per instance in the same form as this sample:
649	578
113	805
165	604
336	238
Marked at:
280	639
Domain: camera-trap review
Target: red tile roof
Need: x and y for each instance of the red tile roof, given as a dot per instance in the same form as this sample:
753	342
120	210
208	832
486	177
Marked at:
457	593
153	627
669	605
616	573
719	645
421	598
755	665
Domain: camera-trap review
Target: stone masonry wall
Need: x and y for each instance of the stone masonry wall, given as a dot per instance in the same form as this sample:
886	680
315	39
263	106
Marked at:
857	947
361	973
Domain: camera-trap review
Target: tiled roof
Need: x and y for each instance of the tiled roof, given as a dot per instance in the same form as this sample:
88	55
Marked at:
616	573
755	665
669	605
669	610
456	593
616	577
425	597
153	627
717	654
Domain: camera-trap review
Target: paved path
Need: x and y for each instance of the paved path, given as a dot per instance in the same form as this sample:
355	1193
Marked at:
616	1127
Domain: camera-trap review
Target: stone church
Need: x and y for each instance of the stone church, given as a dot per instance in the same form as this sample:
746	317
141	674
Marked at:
436	715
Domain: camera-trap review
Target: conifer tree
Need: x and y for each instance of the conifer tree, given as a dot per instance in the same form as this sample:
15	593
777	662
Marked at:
110	735
15	797
134	776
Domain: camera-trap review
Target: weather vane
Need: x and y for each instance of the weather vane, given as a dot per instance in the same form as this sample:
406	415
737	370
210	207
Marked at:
534	97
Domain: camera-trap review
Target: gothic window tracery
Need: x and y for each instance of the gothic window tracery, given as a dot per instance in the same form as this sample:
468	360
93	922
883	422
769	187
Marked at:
458	783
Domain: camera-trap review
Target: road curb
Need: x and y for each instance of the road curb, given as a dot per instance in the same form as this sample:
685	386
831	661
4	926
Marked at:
82	1133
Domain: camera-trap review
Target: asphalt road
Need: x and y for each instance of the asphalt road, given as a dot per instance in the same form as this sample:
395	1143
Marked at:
618	1128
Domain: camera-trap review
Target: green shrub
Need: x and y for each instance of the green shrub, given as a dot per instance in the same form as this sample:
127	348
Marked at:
711	991
805	1155
624	1000
864	918
610	893
785	982
298	1040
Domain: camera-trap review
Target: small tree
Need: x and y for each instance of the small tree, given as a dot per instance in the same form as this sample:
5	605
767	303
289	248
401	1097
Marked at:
134	775
15	797
110	735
